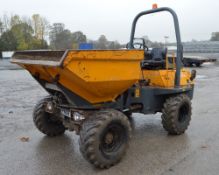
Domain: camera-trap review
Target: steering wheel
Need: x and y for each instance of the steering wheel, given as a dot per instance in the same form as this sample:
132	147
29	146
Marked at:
138	45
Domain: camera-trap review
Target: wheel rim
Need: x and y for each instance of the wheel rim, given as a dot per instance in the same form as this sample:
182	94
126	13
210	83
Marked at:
50	119
183	113
112	139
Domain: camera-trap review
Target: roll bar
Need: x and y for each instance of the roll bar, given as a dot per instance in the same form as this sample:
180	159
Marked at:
179	55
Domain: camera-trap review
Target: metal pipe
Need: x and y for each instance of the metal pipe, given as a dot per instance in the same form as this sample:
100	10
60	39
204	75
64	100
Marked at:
179	55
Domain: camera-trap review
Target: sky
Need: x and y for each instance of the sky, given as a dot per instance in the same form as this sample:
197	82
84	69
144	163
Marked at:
113	18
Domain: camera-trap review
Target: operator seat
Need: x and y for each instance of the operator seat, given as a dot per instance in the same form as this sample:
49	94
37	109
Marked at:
156	60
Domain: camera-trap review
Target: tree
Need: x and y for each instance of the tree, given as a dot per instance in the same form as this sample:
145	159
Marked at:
55	30
23	33
215	36
79	37
102	42
20	37
36	25
8	41
1	27
40	27
114	45
63	40
18	34
44	30
15	20
73	39
6	22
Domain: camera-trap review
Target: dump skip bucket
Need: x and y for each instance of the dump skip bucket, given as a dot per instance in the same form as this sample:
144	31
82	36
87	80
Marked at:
95	75
49	58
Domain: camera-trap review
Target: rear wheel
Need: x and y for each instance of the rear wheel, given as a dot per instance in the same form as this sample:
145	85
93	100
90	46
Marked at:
177	114
198	64
104	138
45	122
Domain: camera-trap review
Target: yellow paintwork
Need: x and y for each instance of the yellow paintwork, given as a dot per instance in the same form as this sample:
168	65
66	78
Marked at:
102	75
97	76
165	78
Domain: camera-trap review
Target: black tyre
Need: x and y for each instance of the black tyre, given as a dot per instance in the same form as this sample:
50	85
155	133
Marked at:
104	138
198	64
177	114
128	114
45	122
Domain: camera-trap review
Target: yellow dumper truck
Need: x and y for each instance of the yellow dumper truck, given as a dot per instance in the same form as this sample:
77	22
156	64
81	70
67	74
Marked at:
95	92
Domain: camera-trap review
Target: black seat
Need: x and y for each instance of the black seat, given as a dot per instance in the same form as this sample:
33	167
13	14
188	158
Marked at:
156	59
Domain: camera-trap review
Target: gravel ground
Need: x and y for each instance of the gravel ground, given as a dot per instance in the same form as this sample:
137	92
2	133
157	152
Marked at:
152	151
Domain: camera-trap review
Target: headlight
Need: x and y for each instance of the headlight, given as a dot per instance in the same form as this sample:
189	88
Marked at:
77	116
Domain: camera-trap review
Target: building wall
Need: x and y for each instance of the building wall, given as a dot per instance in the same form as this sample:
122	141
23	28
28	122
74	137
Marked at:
201	47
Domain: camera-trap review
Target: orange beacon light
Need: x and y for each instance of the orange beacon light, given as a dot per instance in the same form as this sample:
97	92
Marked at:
154	6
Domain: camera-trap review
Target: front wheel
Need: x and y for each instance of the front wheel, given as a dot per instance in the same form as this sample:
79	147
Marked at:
176	114
45	122
104	137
